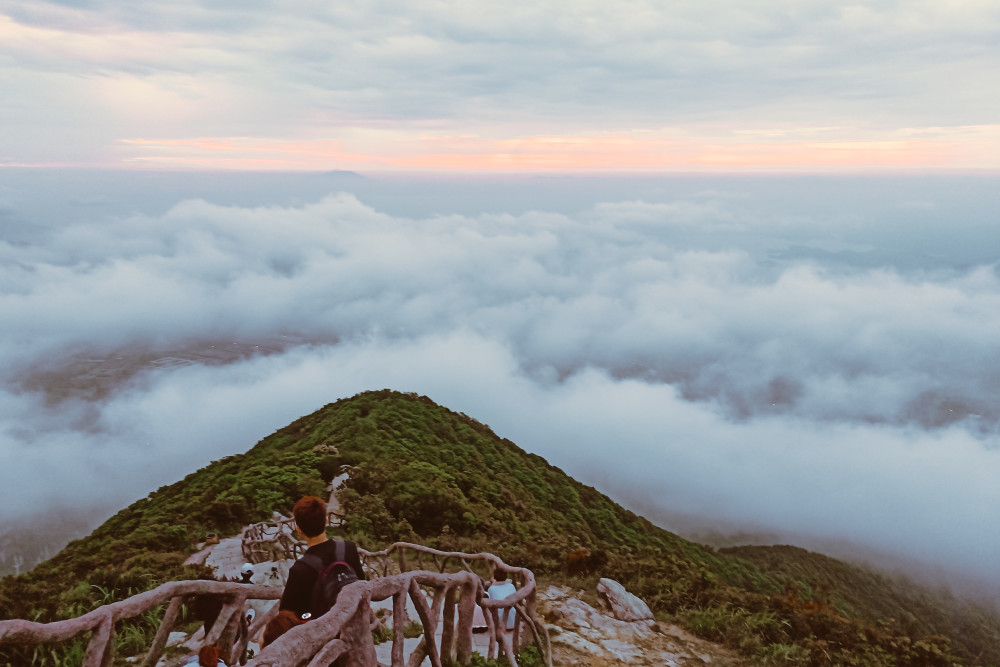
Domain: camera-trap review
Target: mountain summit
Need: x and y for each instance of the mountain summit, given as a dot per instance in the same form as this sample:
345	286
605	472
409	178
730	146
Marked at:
418	472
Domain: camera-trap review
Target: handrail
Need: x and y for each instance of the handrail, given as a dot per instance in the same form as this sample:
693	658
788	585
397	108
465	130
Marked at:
522	603
101	621
344	630
264	540
271	540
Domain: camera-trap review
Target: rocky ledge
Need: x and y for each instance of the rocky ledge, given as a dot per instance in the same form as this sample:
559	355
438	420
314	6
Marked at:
584	635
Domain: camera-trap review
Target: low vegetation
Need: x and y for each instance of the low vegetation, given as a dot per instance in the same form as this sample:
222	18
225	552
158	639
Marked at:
419	472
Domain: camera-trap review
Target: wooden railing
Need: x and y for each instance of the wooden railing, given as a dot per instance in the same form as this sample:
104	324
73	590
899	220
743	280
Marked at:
275	540
101	621
344	631
271	540
522	604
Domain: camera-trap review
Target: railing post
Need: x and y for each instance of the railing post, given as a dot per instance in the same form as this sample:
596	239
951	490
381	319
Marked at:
399	621
163	633
538	629
101	649
448	623
228	637
466	610
491	629
222	622
515	632
429	620
356	633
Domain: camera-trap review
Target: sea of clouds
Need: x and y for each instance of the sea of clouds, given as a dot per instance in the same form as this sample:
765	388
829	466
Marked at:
818	364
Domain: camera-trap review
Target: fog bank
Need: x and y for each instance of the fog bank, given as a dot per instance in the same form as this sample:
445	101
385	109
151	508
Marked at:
817	369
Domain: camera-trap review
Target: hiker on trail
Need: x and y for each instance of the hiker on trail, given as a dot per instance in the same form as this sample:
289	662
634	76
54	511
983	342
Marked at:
502	588
207	607
325	560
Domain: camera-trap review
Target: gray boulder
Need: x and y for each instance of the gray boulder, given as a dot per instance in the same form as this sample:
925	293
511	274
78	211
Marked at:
624	605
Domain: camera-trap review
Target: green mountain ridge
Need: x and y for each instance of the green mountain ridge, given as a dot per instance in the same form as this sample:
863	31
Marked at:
420	472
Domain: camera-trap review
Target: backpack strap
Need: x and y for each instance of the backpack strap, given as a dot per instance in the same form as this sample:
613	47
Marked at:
313	561
340	551
339	558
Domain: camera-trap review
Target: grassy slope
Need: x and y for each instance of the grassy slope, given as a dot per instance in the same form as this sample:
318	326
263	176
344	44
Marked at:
878	599
422	472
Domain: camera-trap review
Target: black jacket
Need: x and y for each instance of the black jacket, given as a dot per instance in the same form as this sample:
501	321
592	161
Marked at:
298	590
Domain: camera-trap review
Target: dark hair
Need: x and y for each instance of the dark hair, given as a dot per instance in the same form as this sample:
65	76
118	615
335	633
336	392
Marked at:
310	515
279	625
500	575
208	656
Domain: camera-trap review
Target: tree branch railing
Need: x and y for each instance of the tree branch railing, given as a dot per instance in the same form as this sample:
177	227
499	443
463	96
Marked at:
523	603
275	540
271	540
343	631
101	621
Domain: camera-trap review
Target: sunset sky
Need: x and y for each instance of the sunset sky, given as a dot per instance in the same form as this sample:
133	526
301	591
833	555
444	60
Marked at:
628	86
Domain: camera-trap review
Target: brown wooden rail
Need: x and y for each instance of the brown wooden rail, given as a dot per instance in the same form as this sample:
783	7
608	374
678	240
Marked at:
101	621
344	631
522	604
275	540
271	540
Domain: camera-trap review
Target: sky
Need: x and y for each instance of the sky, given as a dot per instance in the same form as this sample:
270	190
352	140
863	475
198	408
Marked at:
630	86
734	264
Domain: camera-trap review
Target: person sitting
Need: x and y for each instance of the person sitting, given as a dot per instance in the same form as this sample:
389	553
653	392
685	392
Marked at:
310	520
501	589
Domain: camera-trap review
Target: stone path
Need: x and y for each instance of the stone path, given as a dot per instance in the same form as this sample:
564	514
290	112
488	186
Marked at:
226	558
333	504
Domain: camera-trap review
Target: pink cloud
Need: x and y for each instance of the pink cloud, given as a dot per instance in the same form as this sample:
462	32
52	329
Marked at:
567	153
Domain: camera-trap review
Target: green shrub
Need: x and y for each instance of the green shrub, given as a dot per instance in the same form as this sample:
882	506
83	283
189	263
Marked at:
530	656
712	624
381	634
413	629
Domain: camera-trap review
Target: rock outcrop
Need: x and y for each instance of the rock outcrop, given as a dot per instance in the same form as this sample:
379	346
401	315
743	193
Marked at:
583	635
624	605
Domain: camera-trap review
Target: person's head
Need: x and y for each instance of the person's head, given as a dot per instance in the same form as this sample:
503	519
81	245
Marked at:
310	516
246	572
279	625
208	656
500	576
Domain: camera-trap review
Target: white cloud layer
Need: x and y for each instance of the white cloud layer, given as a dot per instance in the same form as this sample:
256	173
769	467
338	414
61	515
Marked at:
687	355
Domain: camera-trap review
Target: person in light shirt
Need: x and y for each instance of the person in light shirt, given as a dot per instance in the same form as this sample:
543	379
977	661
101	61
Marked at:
503	588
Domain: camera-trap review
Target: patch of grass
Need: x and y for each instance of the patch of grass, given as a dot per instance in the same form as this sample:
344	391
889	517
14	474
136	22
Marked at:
413	629
381	634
